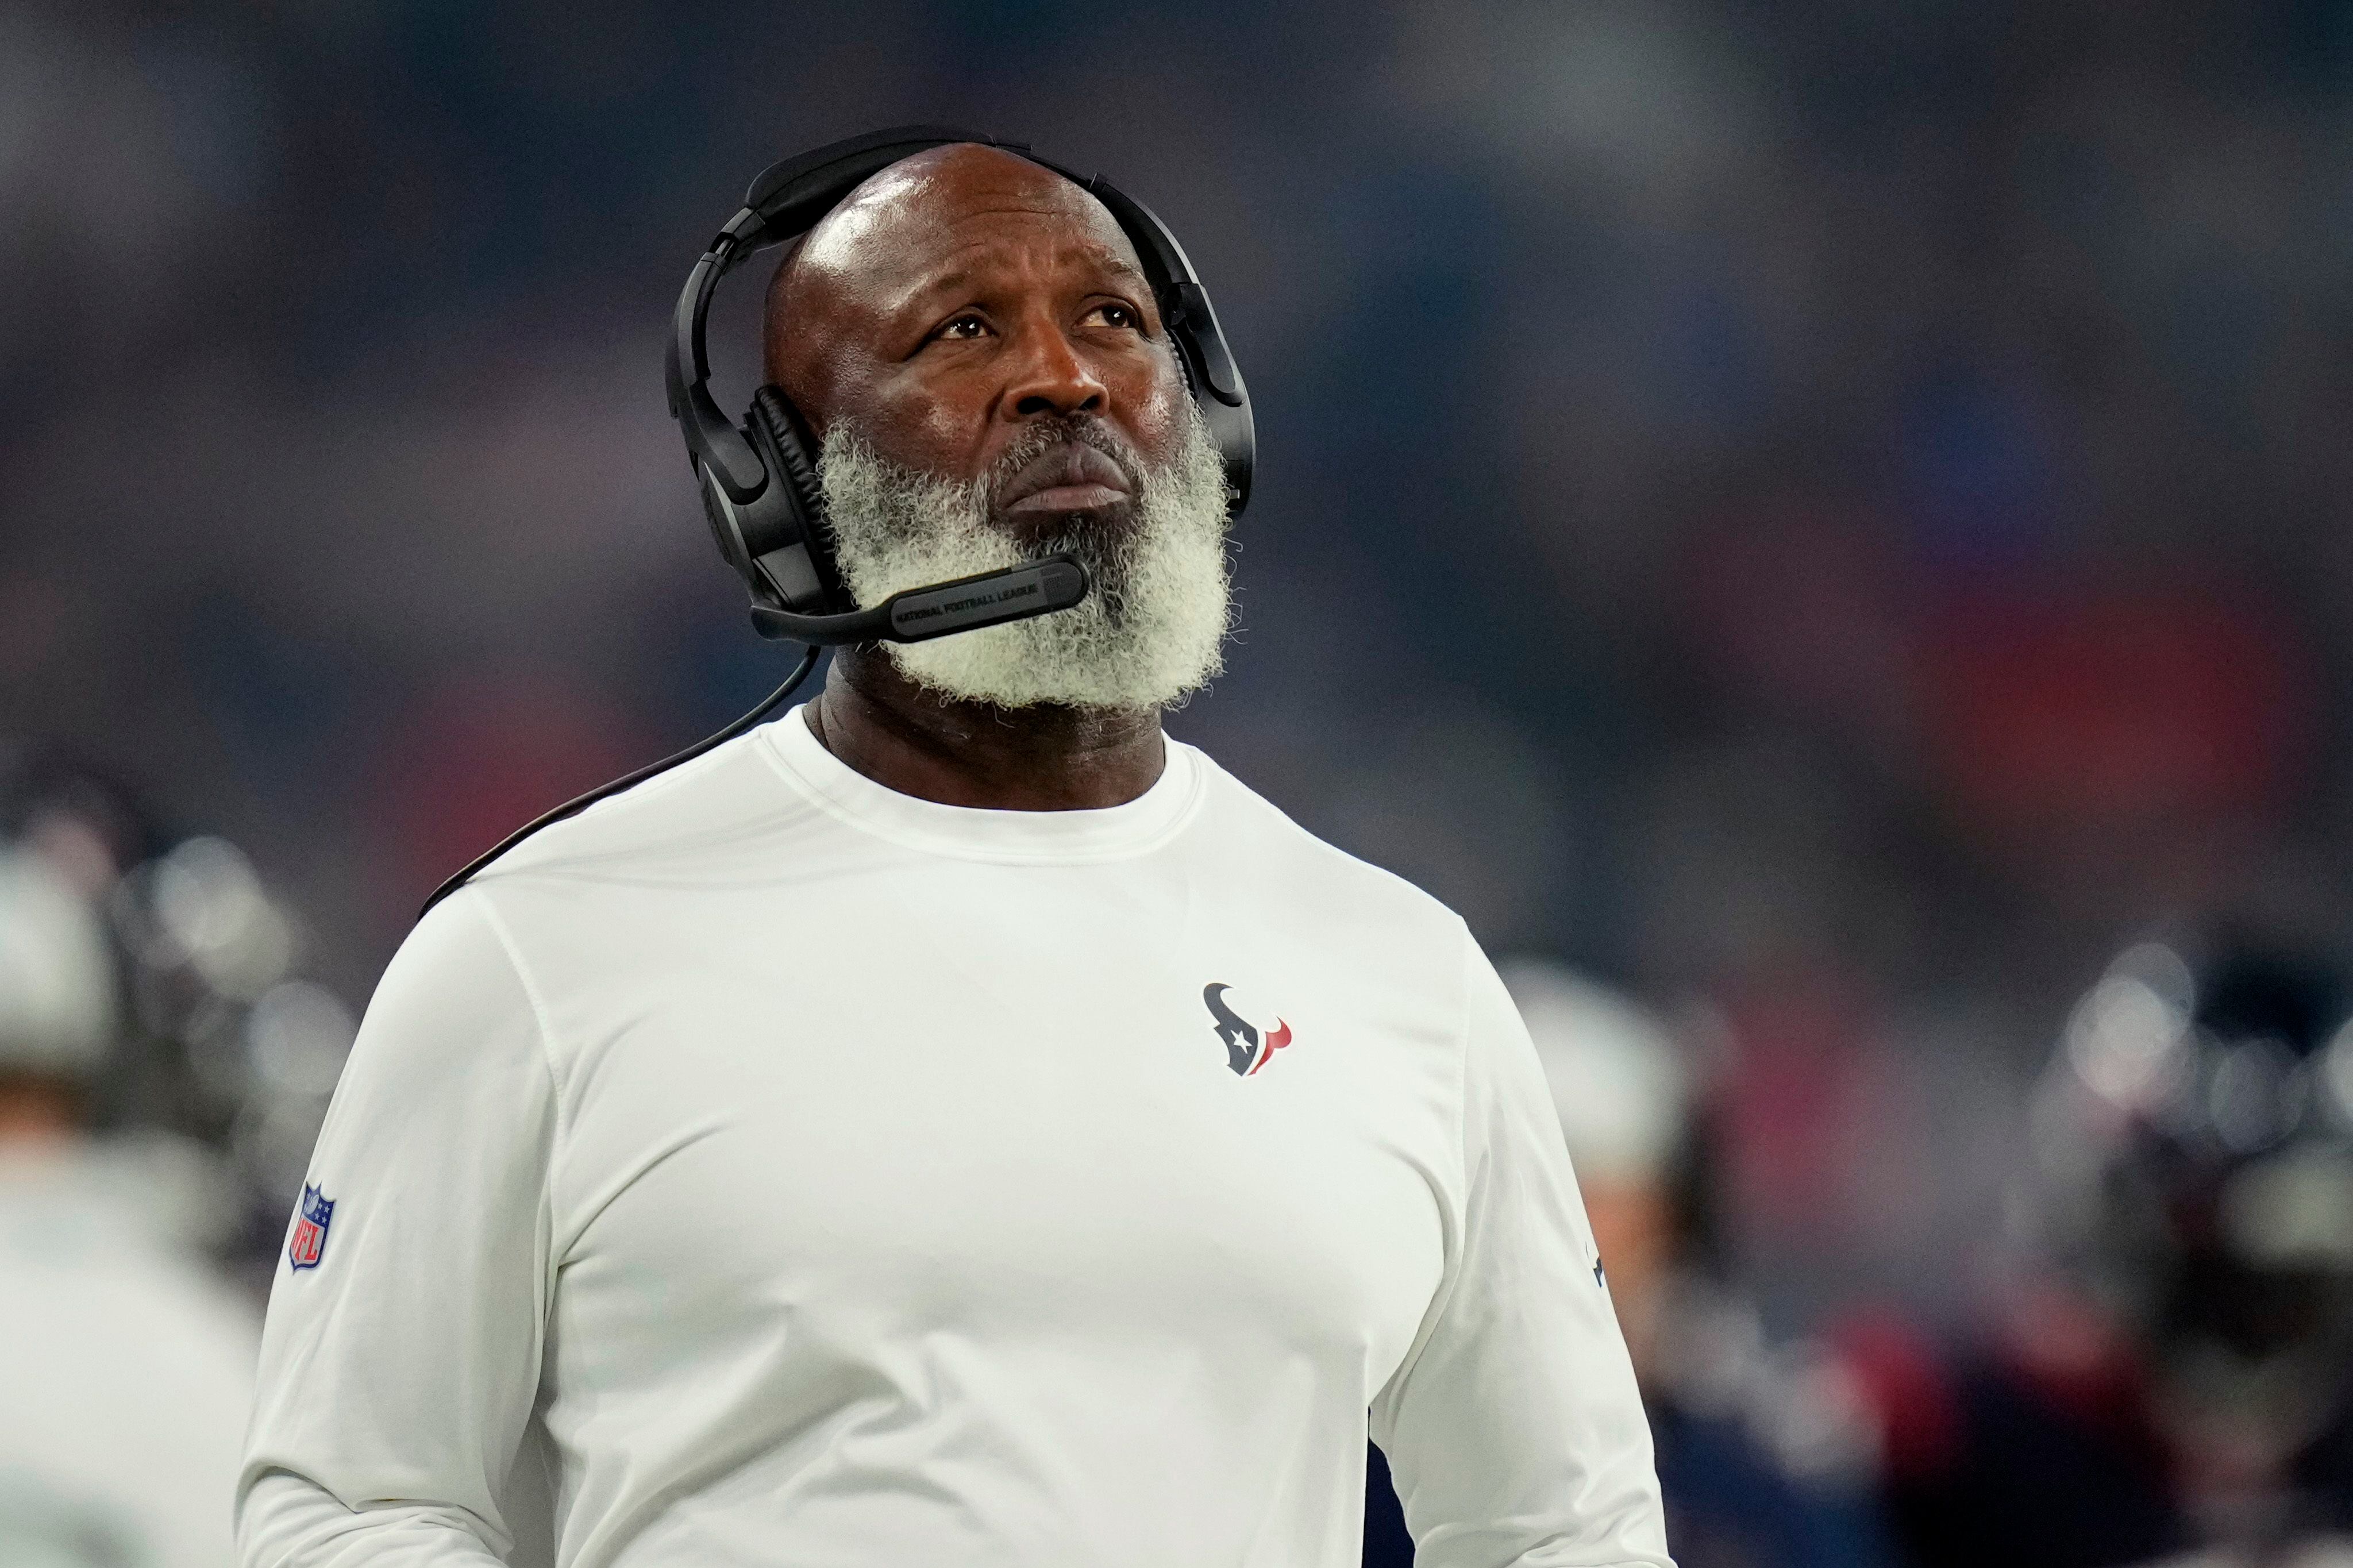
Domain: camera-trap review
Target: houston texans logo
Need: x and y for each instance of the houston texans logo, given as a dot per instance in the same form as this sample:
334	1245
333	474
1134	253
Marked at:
1245	1051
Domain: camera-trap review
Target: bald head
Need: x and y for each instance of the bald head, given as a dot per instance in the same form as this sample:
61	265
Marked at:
921	210
960	295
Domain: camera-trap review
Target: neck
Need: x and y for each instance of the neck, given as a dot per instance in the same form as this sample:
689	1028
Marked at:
937	747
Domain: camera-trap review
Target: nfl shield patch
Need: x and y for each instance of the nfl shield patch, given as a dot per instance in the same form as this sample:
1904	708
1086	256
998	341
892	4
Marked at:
310	1238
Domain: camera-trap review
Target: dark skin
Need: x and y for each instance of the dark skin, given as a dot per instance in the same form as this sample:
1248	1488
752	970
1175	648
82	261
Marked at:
951	305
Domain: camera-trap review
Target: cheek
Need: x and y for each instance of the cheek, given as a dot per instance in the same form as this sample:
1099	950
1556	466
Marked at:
945	434
1156	416
916	426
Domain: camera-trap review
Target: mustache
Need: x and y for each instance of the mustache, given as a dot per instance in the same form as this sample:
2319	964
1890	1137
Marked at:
1085	429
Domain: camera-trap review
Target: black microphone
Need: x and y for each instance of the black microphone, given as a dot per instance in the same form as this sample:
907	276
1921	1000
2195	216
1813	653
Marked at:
918	615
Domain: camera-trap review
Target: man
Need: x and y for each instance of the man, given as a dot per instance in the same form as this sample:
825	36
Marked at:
125	1368
951	1124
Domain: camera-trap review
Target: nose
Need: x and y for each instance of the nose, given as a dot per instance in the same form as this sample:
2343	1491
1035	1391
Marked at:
1051	377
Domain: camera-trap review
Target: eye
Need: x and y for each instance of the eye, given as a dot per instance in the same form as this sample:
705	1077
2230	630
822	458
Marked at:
1111	313
962	329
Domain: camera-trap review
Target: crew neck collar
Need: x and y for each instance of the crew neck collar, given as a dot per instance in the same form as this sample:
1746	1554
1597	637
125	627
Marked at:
971	833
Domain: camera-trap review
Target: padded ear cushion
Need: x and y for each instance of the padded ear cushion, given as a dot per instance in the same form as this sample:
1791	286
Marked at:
791	451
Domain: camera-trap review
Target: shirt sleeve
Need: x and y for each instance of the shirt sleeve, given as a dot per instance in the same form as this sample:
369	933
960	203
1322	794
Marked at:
398	1370
1513	1431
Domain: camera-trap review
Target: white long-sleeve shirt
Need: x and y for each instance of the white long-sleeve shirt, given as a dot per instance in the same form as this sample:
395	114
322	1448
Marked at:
766	1168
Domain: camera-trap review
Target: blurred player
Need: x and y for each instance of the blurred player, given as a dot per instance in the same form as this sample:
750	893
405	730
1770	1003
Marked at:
1763	1460
226	1054
126	1369
2176	1382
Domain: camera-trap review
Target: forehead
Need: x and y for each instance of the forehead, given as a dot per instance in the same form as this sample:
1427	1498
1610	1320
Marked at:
949	213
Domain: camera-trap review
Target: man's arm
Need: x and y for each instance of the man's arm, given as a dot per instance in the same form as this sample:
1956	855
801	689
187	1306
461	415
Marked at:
1514	1430
398	1371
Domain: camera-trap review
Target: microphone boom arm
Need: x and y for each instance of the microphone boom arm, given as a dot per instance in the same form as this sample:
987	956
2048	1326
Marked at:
918	615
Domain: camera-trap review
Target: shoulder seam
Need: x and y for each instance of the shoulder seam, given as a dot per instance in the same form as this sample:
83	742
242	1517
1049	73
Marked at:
555	1086
1458	1227
539	1015
553	850
1466	946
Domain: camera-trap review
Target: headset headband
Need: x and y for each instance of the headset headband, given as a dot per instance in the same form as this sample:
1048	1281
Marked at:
789	198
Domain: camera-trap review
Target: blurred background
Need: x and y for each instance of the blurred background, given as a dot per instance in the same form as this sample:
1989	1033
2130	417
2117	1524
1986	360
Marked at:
1828	518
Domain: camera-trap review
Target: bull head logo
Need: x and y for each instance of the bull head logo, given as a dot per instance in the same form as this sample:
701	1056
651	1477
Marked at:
1245	1051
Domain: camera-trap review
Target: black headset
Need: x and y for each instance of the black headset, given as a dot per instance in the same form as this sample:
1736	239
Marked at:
759	480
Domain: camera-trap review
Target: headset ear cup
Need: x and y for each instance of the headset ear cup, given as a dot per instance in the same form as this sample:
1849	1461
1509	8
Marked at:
790	452
789	446
724	531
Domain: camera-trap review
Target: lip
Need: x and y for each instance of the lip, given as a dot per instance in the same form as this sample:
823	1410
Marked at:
1071	477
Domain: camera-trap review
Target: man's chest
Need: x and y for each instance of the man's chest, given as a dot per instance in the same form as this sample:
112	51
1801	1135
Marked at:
1122	1122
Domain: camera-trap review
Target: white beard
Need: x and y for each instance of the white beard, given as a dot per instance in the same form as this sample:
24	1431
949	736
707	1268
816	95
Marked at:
1150	632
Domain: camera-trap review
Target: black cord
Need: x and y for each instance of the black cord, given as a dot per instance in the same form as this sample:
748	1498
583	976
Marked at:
768	705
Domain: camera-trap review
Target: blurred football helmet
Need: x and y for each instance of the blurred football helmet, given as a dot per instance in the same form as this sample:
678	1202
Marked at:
158	974
2194	1138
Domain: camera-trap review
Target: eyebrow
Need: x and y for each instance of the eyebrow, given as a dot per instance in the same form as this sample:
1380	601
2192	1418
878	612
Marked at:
958	277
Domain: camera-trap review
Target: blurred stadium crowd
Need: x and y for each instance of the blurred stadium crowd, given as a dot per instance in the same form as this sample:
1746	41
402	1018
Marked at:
1829	518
